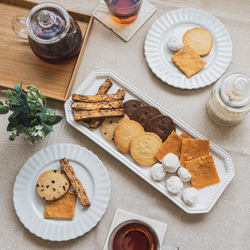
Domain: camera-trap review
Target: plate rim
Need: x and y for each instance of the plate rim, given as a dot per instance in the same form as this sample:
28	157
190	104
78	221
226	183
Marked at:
126	161
202	78
24	204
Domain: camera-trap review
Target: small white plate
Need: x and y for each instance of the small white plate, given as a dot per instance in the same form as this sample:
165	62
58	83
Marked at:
178	21
224	165
30	207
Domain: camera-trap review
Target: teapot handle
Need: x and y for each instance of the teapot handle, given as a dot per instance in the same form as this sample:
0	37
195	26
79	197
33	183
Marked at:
19	27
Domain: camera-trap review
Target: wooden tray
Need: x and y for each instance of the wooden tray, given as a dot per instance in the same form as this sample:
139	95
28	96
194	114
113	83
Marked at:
19	64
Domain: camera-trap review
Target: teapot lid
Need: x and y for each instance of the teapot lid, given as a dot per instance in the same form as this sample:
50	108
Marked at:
47	23
235	90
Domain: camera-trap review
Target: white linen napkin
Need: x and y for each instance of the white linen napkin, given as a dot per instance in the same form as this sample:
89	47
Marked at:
125	31
122	215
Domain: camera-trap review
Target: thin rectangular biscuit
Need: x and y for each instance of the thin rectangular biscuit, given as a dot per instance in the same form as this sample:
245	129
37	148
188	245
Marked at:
97	105
102	113
75	182
119	95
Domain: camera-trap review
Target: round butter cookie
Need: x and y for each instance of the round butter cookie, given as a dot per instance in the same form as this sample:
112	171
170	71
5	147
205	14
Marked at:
162	125
130	106
52	185
124	133
199	39
144	113
143	148
109	124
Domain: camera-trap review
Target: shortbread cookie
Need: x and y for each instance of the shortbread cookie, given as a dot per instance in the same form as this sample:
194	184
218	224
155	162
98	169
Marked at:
61	208
199	39
188	61
125	132
52	185
143	148
75	182
109	124
145	113
130	106
162	125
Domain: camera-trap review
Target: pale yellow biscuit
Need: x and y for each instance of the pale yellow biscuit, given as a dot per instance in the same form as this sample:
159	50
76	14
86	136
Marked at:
199	39
143	147
124	133
109	125
52	185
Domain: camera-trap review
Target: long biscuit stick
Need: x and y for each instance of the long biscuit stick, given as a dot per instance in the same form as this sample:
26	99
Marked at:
75	182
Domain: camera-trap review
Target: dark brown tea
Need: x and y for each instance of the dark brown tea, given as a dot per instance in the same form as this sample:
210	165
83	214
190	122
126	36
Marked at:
124	11
133	235
62	49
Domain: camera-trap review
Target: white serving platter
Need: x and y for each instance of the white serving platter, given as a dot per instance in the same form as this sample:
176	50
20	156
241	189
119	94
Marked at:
207	196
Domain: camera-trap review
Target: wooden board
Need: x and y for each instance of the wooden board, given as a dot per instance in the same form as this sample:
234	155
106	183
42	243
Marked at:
19	64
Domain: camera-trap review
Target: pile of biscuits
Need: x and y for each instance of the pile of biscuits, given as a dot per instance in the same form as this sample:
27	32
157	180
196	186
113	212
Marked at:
53	187
196	43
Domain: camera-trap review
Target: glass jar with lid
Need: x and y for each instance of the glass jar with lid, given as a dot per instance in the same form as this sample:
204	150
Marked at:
229	100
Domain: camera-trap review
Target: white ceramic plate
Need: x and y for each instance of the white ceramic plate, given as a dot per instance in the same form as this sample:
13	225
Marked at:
179	21
207	196
30	207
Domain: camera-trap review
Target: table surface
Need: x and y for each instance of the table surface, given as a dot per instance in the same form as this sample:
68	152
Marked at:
226	226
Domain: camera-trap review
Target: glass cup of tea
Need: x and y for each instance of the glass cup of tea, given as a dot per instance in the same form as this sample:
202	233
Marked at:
52	33
133	235
124	11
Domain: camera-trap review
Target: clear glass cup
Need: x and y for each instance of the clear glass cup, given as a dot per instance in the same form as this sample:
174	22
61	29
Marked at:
124	11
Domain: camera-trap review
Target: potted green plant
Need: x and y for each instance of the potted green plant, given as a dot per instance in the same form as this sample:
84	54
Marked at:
30	114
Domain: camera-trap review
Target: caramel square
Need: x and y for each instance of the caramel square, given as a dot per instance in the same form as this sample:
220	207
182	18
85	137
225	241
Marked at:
188	61
171	145
203	171
63	207
193	148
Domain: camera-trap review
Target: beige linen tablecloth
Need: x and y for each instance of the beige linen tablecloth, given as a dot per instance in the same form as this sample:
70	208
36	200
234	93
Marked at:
226	226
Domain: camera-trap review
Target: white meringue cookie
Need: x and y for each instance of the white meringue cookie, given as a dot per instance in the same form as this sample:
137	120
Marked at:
190	196
184	174
174	184
175	42
157	172
170	162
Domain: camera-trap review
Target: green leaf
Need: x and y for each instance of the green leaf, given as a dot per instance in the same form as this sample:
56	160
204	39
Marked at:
21	128
43	116
48	127
14	121
11	127
54	120
3	110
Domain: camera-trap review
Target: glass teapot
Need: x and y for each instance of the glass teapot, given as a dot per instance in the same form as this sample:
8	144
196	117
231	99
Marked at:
52	33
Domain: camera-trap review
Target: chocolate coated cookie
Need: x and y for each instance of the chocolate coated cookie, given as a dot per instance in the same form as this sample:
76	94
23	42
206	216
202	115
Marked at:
145	113
161	125
130	106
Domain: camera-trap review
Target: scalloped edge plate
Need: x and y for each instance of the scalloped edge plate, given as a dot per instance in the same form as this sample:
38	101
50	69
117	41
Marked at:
158	56
207	196
30	207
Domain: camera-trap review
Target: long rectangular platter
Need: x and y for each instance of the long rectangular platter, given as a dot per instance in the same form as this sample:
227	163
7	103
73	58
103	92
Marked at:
208	196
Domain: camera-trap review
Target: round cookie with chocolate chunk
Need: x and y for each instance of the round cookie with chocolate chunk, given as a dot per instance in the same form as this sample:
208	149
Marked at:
130	106
109	124
143	148
145	113
52	185
162	125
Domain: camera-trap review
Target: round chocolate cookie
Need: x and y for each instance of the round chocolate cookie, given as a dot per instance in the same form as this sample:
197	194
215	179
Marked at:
161	125
145	113
130	106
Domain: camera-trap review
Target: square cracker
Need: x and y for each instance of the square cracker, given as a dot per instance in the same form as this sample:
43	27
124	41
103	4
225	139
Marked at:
63	207
203	171
188	61
193	148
